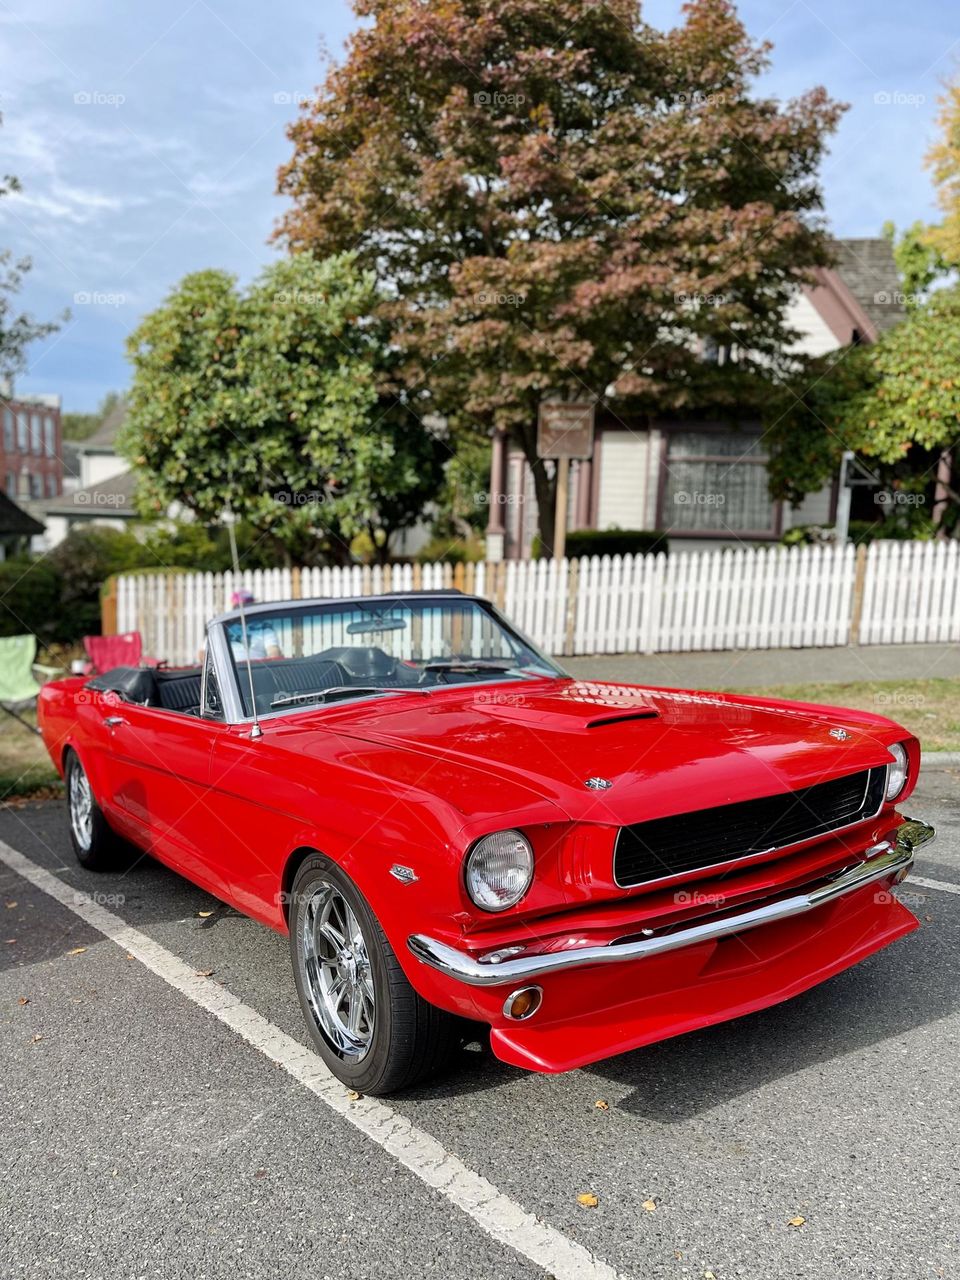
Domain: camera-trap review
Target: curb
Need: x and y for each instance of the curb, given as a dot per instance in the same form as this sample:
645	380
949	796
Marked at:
939	759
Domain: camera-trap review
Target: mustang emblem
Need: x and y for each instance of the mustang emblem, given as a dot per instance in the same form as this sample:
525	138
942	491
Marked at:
841	735
598	784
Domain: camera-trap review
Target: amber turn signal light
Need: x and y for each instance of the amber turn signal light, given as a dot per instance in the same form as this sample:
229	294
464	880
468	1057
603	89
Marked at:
523	1004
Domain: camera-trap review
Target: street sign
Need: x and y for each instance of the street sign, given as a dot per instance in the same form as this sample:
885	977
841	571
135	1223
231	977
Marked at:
565	429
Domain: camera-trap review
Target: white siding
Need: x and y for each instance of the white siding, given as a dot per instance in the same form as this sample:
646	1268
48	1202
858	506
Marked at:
624	489
816	336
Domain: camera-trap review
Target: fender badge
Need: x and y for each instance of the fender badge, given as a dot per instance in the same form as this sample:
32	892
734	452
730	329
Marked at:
406	875
598	784
841	735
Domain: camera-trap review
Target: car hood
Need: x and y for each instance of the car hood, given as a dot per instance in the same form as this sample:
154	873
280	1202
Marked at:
662	751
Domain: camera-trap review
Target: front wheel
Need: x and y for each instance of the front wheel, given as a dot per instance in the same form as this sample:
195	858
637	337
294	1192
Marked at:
374	1032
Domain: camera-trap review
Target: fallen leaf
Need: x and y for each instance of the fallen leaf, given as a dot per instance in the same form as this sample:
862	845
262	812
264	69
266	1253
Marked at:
204	914
708	1275
261	1173
204	973
678	1255
77	951
650	1205
928	918
353	1095
9	905
11	941
588	1200
37	1038
798	1221
601	1105
24	1000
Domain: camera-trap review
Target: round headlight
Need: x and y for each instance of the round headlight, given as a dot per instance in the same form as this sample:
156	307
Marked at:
499	870
896	772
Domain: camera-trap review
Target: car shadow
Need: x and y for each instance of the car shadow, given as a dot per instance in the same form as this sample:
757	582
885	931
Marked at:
908	985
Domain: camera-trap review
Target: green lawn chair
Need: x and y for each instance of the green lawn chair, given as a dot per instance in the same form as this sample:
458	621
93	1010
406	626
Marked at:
18	686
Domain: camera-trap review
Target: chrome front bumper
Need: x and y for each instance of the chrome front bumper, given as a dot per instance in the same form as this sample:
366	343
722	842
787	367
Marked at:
893	856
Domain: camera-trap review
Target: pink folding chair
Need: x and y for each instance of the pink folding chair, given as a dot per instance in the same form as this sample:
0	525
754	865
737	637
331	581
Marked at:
107	652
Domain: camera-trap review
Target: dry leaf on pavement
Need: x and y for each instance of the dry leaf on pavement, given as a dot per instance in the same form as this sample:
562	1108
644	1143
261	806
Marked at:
588	1200
798	1221
602	1105
650	1205
77	951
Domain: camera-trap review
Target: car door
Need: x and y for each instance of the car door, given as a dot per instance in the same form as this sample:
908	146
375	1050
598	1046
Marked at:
161	772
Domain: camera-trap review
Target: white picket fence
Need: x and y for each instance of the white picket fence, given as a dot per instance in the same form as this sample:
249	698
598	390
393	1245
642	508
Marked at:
743	598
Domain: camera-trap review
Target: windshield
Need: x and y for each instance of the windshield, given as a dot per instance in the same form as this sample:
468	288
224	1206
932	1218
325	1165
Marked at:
307	655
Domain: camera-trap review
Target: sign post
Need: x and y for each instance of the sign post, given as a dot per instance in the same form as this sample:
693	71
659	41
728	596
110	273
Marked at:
564	431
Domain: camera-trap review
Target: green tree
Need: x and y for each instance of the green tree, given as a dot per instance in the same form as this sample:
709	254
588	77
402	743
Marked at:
896	404
80	426
565	203
275	401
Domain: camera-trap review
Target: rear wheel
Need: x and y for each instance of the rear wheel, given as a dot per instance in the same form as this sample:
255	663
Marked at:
95	844
374	1032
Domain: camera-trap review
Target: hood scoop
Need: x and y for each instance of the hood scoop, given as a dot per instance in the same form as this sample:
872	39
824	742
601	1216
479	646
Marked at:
618	717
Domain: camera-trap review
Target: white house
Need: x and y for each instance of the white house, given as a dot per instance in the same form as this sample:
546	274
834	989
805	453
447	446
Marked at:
703	482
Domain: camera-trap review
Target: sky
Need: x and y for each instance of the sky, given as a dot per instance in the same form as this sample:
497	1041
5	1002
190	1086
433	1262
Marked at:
147	138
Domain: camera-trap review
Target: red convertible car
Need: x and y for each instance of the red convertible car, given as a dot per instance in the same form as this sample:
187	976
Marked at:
453	831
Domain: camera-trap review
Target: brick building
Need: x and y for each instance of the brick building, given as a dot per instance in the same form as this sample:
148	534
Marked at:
31	447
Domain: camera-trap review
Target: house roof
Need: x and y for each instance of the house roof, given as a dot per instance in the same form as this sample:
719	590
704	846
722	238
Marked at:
868	269
15	522
113	498
103	439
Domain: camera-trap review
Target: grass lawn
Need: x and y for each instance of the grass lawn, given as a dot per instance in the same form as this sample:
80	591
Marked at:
25	767
930	709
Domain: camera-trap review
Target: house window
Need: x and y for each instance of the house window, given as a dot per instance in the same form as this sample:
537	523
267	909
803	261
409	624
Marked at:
36	485
36	432
22	432
8	430
715	482
51	482
49	437
11	483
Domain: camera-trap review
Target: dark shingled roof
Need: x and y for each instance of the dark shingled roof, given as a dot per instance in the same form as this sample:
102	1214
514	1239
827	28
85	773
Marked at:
868	270
14	521
113	498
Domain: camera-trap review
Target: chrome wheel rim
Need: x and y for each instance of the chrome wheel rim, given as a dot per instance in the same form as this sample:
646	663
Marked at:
81	806
336	970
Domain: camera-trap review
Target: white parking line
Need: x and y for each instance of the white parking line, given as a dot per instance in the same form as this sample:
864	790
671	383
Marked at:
933	884
494	1212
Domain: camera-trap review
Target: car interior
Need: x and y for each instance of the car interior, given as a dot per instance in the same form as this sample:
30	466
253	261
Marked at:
274	679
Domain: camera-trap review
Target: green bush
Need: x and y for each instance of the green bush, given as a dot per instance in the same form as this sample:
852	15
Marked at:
30	599
88	555
610	542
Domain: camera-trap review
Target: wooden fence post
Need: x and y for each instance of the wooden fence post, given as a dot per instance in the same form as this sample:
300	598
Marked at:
108	607
856	604
570	624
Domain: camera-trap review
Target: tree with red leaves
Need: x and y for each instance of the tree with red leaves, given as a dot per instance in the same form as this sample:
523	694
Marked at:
563	202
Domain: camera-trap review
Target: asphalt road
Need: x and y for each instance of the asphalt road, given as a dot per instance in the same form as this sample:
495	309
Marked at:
143	1136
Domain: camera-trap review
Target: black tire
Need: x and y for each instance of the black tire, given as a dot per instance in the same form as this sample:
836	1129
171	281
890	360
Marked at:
407	1039
97	847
